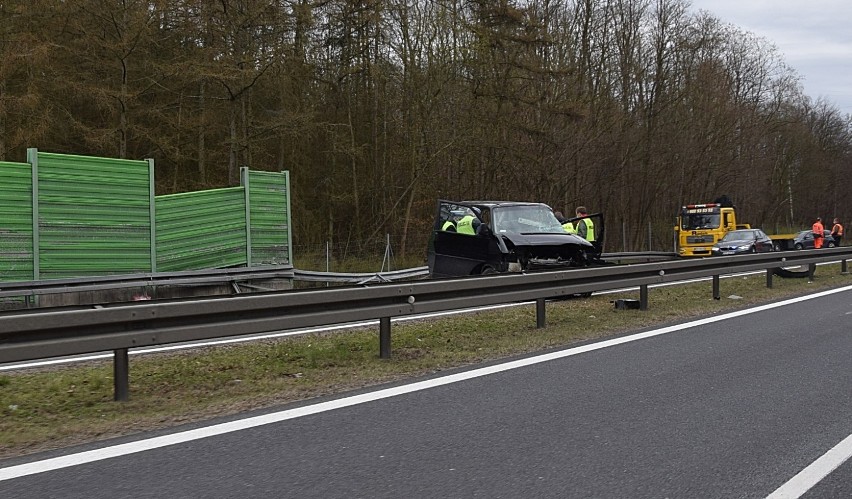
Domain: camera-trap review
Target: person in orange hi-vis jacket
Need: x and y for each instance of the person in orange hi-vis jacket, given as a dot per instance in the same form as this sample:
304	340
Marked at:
819	233
837	231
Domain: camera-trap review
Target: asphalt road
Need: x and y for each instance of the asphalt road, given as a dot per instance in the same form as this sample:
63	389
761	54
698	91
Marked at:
731	408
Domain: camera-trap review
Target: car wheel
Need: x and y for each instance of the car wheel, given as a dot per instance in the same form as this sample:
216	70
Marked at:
488	270
799	246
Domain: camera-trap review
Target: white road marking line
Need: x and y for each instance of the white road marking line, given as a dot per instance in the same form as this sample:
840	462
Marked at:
77	459
816	471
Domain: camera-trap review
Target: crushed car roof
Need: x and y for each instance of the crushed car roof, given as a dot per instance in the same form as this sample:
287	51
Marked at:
501	203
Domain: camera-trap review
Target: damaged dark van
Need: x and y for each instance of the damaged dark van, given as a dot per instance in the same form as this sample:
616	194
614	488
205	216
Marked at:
489	237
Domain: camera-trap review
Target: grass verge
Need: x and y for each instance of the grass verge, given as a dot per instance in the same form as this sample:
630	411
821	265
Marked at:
50	408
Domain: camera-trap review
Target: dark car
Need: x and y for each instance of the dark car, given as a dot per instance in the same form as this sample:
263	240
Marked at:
504	236
805	240
743	241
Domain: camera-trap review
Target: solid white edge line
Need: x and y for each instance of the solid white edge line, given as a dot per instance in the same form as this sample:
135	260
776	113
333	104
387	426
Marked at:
816	471
56	463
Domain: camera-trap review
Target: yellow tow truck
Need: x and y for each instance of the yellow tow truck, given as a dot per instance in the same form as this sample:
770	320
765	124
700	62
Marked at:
700	226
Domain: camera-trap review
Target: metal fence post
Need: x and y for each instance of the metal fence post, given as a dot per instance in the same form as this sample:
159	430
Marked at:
717	295
152	213
327	259
769	273
32	159
385	338
388	256
246	185
289	218
540	320
121	375
643	297
649	237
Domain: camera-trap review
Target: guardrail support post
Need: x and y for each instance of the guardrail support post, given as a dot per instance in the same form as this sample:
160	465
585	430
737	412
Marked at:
384	338
717	295
843	267
811	271
121	375
539	313
643	297
769	273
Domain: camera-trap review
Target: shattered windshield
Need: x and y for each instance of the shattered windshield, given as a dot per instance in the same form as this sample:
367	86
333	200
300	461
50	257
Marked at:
534	218
695	221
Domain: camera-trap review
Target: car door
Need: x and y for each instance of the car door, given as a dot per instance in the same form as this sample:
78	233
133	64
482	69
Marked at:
455	254
763	243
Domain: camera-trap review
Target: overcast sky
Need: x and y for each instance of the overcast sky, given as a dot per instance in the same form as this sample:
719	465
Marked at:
814	36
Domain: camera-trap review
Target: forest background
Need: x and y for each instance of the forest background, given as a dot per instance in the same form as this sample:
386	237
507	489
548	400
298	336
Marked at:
380	107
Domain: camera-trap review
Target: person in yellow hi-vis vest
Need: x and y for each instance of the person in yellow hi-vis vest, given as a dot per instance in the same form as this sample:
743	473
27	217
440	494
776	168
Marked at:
467	225
585	226
566	224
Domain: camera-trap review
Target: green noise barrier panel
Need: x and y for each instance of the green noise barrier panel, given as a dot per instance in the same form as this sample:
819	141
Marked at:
16	222
202	229
65	216
269	205
93	215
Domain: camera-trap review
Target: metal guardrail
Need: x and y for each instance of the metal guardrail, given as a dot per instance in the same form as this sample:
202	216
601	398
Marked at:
28	335
422	272
124	281
234	276
361	278
647	256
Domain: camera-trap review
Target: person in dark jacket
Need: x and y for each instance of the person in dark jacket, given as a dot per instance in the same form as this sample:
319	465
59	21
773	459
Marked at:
837	231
